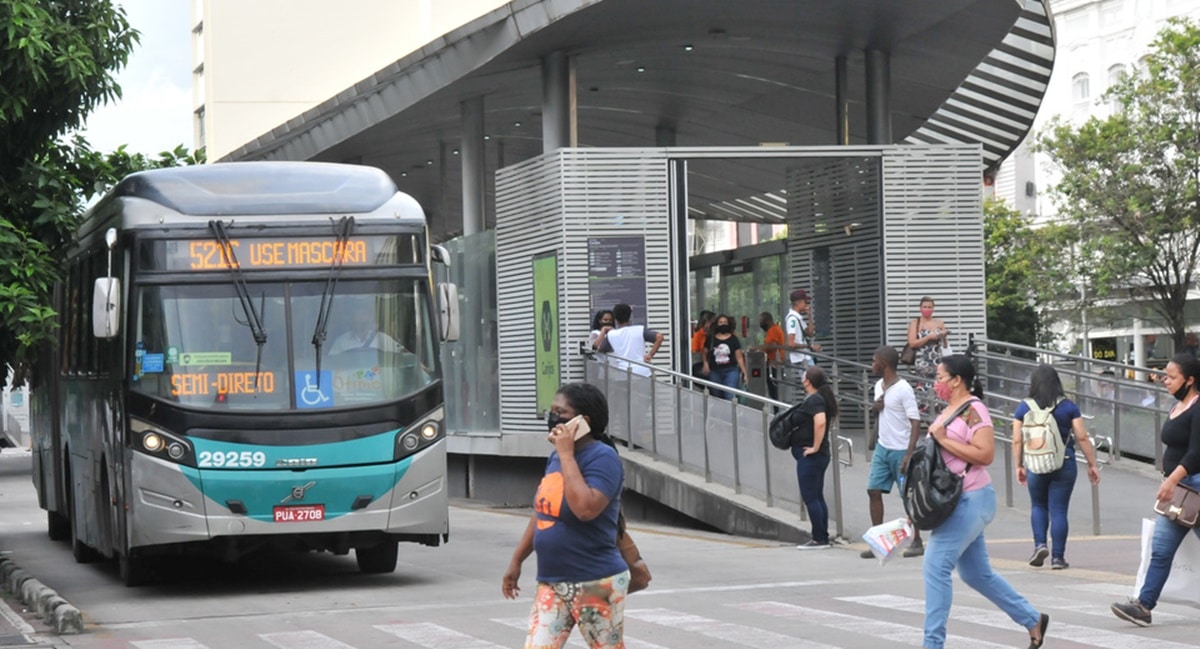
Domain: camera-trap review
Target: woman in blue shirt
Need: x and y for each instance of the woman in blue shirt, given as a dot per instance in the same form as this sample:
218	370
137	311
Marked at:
1050	493
582	578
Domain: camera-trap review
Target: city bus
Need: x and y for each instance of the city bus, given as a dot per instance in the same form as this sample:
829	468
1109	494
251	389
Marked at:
248	360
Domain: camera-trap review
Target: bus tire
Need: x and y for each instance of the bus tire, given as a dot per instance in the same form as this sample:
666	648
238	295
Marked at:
133	568
379	558
58	526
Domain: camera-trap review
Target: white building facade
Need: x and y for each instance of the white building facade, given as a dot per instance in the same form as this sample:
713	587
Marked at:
259	64
1098	42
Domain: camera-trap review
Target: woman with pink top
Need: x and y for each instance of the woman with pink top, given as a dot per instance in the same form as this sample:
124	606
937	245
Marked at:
968	447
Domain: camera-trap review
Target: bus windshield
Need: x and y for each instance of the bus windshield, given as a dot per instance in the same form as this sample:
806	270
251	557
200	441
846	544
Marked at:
194	345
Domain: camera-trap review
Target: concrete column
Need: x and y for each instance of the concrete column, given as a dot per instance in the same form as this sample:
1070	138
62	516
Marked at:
558	102
664	135
1139	349
879	97
842	98
472	150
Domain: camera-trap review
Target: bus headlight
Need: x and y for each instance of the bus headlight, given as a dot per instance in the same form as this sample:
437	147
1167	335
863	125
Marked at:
417	437
429	431
151	439
152	442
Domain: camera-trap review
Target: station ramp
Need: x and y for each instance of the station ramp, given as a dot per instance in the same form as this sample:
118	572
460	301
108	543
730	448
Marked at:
710	458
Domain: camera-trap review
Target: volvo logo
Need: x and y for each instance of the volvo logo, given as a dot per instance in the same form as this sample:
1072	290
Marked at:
297	493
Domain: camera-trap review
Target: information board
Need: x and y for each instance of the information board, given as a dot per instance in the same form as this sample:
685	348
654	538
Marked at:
617	274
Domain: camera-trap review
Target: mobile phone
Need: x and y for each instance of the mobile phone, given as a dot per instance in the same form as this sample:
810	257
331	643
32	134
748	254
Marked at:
580	426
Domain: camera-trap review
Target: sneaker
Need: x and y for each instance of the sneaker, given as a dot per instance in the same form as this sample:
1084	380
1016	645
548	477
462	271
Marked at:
1132	611
813	545
867	554
915	550
1039	556
1059	563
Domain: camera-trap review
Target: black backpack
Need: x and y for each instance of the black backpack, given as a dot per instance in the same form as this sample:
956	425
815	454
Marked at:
931	491
785	424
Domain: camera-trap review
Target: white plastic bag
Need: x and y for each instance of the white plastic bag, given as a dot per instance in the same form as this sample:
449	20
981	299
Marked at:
1183	584
889	539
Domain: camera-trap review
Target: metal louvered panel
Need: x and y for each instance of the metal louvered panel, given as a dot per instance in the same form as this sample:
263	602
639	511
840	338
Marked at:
1009	83
834	227
933	239
556	202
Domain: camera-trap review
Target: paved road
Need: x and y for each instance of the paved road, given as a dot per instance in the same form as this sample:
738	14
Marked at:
709	590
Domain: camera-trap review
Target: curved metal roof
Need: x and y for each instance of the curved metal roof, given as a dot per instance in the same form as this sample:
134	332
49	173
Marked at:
714	72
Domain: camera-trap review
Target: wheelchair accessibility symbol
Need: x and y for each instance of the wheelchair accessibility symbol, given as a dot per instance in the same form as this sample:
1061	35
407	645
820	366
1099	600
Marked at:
311	393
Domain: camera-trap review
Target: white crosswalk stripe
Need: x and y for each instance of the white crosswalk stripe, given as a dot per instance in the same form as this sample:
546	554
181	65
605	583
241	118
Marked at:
436	636
303	640
168	643
739	634
898	634
1085	635
576	641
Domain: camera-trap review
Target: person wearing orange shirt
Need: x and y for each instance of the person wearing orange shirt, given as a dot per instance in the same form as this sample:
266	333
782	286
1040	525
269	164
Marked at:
700	339
774	342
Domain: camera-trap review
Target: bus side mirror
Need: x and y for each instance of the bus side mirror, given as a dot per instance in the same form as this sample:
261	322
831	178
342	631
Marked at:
448	319
106	307
440	254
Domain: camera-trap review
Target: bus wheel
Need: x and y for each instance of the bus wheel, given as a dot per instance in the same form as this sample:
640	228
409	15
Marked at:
377	558
58	526
134	568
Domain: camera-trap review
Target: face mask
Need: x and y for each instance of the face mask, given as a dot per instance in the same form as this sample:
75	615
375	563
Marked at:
943	391
1181	392
606	323
724	328
553	419
926	312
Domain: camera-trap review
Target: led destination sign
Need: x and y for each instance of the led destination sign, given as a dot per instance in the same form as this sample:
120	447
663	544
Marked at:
281	253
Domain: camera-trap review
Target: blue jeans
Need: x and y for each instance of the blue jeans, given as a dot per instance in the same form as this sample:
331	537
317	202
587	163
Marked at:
810	474
958	543
729	376
1167	537
1049	497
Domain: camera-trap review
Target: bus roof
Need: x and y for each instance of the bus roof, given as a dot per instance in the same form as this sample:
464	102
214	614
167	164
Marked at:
260	188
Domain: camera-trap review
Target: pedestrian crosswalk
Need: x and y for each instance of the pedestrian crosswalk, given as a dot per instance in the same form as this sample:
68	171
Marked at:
833	622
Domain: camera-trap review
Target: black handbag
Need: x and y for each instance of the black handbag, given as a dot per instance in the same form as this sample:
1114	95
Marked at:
908	355
931	490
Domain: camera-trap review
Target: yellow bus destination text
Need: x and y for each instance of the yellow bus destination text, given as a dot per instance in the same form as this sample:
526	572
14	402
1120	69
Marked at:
212	255
202	383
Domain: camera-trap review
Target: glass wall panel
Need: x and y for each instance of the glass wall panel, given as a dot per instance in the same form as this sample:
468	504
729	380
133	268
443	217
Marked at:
472	363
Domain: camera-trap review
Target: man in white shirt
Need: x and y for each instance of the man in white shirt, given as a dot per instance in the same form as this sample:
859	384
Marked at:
363	334
799	331
628	341
899	428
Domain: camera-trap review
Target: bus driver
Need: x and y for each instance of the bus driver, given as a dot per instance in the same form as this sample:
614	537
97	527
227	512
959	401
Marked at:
363	334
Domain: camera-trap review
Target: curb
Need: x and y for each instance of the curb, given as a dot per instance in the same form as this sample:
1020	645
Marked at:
55	611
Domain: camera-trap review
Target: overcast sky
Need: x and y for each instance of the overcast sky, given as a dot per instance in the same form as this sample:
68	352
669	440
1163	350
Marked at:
155	112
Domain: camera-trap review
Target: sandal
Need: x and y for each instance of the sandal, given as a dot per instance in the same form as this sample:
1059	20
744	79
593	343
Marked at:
1043	622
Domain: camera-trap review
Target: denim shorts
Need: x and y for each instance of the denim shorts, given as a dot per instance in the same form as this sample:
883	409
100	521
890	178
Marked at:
885	469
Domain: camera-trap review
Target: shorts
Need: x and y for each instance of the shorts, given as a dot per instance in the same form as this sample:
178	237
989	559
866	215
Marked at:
885	469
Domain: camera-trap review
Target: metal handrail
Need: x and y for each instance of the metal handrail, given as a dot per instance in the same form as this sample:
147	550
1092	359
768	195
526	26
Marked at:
841	447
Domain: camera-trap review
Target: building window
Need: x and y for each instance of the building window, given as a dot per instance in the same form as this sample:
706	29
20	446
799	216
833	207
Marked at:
1080	88
1115	74
200	127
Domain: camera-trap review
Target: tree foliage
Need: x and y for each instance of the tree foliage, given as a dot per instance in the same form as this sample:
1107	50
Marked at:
57	60
1130	188
1013	253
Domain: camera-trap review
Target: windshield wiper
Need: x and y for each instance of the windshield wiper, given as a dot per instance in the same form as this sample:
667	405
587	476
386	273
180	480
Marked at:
253	319
342	228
